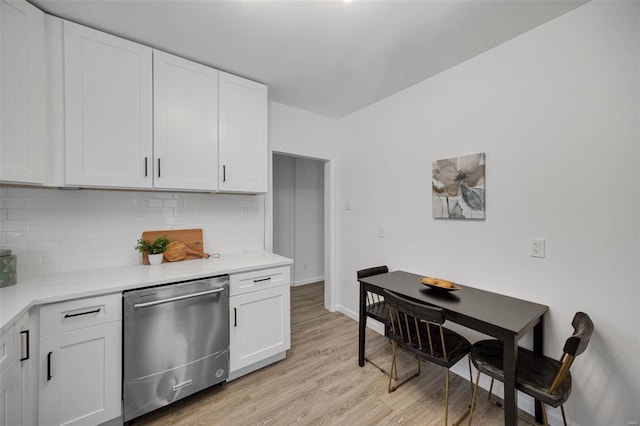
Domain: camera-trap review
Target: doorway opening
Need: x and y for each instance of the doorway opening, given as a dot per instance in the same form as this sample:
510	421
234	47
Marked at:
301	218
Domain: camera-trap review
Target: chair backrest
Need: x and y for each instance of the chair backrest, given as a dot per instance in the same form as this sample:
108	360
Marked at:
376	270
374	299
411	322
574	346
582	331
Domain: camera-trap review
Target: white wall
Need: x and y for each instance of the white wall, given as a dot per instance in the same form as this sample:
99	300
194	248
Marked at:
294	131
53	230
556	111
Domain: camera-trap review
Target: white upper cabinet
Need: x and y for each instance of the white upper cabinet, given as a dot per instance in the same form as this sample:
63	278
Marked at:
108	110
135	117
185	112
23	138
243	135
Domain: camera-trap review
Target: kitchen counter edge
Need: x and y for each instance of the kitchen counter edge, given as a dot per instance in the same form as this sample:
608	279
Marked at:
18	299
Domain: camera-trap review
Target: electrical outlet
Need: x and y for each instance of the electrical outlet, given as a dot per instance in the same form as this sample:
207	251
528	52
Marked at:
381	232
536	248
244	214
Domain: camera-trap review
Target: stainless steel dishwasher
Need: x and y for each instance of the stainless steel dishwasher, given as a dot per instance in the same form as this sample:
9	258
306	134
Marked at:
176	342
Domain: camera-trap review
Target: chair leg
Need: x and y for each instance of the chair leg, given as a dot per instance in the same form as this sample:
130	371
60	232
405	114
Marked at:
378	367
446	399
564	417
491	388
386	333
470	374
446	416
394	372
468	411
473	397
544	414
394	346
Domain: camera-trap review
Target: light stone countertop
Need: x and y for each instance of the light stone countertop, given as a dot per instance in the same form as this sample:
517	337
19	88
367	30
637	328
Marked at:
19	298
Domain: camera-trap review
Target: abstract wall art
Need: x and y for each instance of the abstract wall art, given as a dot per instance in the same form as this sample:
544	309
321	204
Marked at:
458	187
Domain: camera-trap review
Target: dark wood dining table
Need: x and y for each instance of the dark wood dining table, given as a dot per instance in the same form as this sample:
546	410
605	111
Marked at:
502	317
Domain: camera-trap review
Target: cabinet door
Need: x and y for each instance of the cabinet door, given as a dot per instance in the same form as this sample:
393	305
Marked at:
10	397
7	348
81	373
243	135
260	326
108	110
23	149
25	358
9	390
185	107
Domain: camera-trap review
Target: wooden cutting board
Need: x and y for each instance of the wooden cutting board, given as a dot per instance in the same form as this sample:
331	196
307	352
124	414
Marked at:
192	238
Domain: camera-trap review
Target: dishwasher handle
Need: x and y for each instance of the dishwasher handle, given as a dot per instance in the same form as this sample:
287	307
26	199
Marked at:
174	299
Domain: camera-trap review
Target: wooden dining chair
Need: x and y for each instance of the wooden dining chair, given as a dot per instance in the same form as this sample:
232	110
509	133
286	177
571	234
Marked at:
546	379
376	307
418	329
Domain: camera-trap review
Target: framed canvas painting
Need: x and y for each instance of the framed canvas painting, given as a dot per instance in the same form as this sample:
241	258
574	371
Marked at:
458	187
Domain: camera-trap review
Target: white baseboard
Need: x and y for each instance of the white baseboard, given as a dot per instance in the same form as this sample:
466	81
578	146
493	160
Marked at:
374	325
348	312
308	281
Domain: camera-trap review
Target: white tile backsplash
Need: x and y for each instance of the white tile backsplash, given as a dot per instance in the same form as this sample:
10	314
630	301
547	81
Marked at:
56	230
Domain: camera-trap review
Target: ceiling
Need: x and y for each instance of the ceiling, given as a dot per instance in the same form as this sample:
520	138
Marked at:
323	56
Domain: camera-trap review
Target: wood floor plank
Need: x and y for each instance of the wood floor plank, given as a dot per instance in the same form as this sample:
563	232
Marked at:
320	383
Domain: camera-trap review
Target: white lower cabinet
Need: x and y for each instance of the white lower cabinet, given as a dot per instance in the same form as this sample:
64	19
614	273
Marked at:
260	318
16	369
9	383
81	361
10	397
26	335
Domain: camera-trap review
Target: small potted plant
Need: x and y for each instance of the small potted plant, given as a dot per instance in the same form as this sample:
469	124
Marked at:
154	250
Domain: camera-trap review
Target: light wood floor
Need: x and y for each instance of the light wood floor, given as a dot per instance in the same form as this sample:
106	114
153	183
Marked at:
320	383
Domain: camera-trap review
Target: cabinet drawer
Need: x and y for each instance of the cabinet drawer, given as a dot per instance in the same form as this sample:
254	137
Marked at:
60	317
247	282
7	348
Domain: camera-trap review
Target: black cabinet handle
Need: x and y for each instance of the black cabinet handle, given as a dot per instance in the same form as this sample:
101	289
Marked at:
49	376
25	333
235	317
224	173
146	169
158	167
95	311
262	279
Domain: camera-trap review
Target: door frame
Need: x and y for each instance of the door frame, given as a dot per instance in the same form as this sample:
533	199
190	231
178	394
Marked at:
329	218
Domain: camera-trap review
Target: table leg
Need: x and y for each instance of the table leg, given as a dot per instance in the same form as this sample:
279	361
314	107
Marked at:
538	348
510	354
362	324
